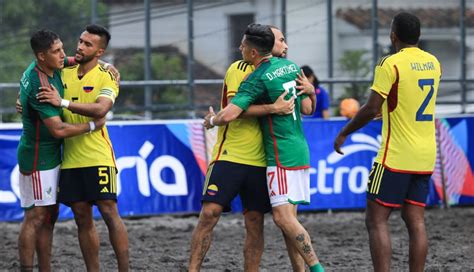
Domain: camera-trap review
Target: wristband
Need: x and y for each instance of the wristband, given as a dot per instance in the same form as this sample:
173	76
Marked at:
211	121
65	103
91	126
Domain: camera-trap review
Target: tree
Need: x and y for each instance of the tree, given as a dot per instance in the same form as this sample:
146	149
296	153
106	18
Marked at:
163	66
356	65
19	19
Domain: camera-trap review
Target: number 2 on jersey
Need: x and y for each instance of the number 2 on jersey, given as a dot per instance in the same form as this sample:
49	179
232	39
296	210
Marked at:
420	115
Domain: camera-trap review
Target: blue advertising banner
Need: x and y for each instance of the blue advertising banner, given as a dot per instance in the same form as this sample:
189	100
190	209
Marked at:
161	169
162	166
340	181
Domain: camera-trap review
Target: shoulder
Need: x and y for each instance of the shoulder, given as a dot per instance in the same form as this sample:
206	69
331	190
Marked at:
70	70
386	59
104	73
30	76
240	66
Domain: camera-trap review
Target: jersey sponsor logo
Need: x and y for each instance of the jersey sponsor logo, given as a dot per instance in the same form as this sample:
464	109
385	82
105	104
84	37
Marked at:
212	190
88	89
356	176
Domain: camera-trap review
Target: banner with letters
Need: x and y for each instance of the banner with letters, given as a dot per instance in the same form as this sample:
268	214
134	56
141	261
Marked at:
161	169
162	166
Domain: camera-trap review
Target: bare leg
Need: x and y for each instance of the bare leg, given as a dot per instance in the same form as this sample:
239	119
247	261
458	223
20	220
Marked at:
28	240
254	242
297	262
202	234
45	238
117	232
298	236
376	221
415	221
88	237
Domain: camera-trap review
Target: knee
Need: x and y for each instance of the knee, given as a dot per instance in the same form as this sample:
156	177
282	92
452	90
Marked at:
254	222
108	211
209	217
371	223
83	218
280	220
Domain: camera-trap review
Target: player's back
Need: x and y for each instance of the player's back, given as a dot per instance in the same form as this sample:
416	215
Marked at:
409	111
285	143
38	149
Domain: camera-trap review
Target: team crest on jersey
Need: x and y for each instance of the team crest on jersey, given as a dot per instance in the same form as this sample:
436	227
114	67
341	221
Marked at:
212	190
88	89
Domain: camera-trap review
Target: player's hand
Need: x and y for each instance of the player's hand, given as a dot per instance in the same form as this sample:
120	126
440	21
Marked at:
18	107
282	106
304	86
109	67
207	118
338	142
49	95
99	123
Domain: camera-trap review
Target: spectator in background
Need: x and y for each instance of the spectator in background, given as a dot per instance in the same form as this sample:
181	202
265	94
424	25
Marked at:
322	97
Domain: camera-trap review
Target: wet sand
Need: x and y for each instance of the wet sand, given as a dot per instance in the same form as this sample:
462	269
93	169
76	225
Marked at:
161	243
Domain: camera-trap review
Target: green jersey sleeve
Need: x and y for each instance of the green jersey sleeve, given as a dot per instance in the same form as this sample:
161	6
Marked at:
249	92
45	110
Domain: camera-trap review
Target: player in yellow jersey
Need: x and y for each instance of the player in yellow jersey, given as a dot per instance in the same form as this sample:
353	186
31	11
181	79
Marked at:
88	171
405	88
238	167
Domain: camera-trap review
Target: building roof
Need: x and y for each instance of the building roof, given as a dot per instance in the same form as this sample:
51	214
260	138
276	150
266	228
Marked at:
429	17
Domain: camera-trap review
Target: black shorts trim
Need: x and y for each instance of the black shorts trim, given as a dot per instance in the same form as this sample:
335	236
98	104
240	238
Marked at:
87	184
393	189
225	180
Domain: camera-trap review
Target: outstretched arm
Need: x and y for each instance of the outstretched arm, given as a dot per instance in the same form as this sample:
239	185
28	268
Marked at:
279	107
59	129
363	116
223	117
95	110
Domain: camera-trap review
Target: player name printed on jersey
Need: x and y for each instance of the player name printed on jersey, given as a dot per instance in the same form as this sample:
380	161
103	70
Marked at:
427	66
282	71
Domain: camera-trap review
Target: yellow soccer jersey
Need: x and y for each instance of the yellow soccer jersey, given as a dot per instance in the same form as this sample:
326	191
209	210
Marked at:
409	81
240	141
91	149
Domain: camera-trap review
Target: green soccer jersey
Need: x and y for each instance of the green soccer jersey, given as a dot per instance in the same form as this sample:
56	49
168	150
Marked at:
38	149
284	140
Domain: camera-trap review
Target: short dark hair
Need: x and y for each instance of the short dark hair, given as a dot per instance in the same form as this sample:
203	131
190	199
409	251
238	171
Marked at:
407	27
100	31
260	37
42	40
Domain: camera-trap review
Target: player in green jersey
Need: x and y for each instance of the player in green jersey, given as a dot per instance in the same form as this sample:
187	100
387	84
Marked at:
285	146
39	150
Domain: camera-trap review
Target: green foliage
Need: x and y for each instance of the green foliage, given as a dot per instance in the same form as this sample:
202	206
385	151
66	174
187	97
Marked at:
163	66
356	65
19	19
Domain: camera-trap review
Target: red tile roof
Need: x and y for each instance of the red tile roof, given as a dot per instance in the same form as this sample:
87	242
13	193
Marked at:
429	17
